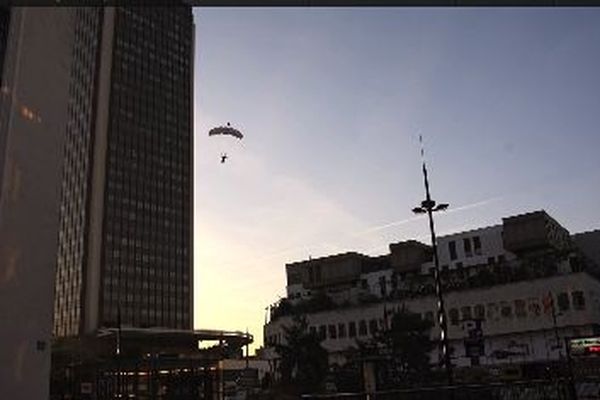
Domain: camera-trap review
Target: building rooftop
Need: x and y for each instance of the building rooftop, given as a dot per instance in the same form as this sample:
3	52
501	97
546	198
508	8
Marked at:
333	257
149	340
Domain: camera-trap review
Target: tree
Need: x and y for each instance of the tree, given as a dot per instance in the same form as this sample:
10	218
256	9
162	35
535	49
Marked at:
282	309
304	362
408	345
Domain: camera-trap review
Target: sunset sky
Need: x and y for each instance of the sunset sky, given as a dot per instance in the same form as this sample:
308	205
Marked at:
332	102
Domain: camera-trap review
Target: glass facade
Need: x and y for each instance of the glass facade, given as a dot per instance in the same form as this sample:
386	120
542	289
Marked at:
147	216
146	258
71	257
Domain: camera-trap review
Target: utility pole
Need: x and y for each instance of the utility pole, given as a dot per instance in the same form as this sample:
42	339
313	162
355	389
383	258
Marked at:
247	349
429	206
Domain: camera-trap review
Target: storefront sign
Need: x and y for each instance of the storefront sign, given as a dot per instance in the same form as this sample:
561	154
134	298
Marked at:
585	347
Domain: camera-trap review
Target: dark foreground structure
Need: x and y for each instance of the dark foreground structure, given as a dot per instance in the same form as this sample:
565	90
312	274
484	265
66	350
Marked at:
142	364
96	175
530	390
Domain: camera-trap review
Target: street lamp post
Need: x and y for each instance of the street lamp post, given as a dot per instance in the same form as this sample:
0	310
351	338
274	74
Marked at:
429	206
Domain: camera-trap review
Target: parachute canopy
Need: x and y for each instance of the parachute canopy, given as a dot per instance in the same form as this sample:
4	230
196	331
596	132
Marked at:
225	130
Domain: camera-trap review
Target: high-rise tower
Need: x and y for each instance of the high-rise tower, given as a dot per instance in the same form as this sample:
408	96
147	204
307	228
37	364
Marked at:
35	47
125	237
4	25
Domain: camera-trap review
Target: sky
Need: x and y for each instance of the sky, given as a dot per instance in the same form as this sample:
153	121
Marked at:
332	101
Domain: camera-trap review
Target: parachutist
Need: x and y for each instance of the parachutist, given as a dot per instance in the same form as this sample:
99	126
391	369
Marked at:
225	131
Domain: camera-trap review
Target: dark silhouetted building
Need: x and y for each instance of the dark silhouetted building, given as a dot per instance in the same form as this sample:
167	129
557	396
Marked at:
125	238
4	24
33	119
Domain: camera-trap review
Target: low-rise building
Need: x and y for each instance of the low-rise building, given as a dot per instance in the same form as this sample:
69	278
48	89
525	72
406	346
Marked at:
524	285
151	363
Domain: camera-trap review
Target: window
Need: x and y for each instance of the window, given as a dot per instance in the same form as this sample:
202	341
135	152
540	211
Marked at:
322	332
352	329
578	300
480	311
520	308
563	301
477	245
313	330
505	310
452	249
454	316
501	258
575	264
332	332
491	260
342	330
459	265
429	317
394	281
466	312
535	309
362	327
467	246
382	285
492	311
373	326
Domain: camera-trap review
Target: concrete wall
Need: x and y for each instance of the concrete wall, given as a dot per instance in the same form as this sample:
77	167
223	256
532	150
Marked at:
94	251
491	246
534	231
33	124
536	330
374	283
589	244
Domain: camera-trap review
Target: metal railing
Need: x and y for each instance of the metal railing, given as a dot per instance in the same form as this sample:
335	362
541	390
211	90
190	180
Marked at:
522	390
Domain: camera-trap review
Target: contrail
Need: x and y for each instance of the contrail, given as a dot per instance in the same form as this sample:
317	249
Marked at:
407	220
325	244
478	204
389	225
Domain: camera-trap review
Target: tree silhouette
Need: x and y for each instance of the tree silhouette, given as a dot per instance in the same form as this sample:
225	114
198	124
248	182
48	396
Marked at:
304	362
407	345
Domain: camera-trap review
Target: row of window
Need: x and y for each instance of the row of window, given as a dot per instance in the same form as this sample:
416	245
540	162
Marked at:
519	308
176	286
145	258
493	311
75	174
146	318
341	330
459	265
147	303
471	246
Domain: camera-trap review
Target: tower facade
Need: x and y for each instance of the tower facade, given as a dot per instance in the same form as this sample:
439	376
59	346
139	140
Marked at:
33	114
125	237
4	26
